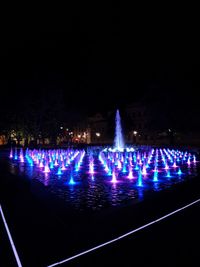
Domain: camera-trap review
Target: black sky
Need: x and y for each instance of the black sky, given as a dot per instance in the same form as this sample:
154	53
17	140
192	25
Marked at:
99	62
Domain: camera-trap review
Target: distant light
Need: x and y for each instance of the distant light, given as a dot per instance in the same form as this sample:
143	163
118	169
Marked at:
98	134
135	132
61	127
169	130
79	136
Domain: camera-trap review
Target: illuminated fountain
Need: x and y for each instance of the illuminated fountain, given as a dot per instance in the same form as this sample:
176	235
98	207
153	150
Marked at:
119	141
89	174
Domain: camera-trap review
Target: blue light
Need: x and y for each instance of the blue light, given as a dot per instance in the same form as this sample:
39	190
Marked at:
105	166
155	176
15	156
136	167
124	168
168	174
71	181
109	172
140	183
30	162
51	165
179	172
77	166
59	172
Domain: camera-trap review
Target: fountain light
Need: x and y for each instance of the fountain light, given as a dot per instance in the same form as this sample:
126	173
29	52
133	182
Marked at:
71	181
179	171
130	174
139	182
59	172
118	142
155	176
114	179
11	154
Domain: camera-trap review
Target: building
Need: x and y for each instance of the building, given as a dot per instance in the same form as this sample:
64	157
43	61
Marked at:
140	120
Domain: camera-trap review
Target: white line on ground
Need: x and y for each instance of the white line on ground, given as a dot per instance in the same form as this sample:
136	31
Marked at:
124	235
10	238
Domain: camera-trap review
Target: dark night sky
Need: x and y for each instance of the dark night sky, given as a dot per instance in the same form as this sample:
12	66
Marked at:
100	62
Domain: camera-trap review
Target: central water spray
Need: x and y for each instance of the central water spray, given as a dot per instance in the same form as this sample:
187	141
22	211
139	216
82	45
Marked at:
119	141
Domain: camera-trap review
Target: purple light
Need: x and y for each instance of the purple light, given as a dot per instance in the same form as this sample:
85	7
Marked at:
113	163
11	154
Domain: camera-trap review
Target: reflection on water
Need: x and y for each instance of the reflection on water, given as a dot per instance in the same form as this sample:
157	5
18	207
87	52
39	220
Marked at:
82	190
46	179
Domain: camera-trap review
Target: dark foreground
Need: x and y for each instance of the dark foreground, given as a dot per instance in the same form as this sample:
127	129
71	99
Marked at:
46	231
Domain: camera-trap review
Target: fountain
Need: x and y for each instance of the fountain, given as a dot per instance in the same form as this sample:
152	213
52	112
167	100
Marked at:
133	169
118	142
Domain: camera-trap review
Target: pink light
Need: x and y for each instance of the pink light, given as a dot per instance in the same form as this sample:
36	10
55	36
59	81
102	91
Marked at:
166	167
41	164
63	166
114	179
144	171
130	175
106	168
56	163
174	165
91	168
11	154
119	164
21	159
46	168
